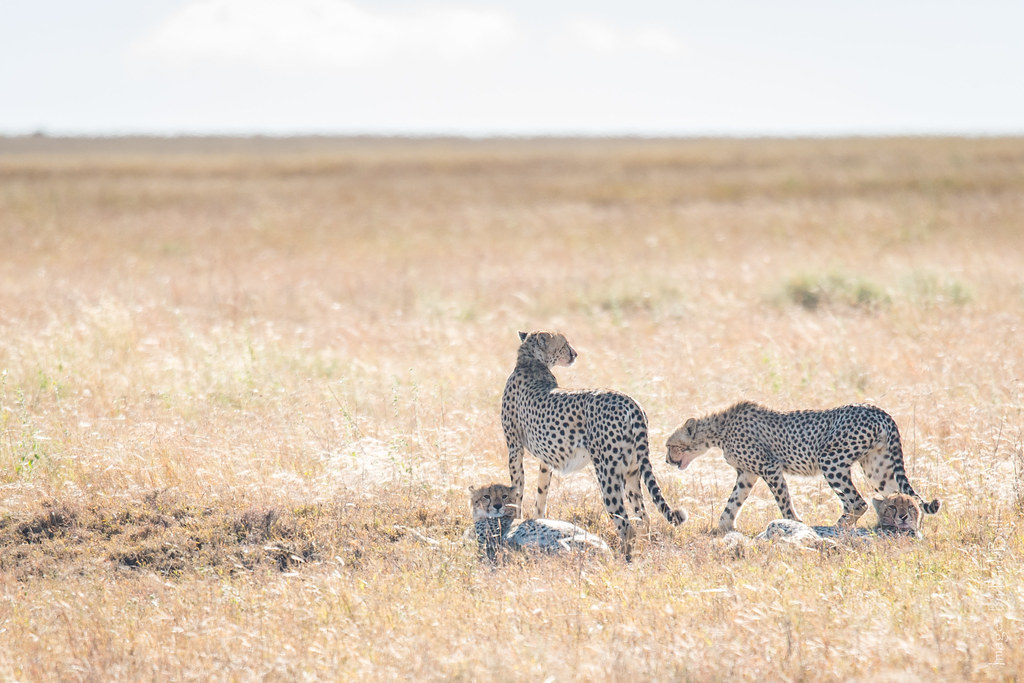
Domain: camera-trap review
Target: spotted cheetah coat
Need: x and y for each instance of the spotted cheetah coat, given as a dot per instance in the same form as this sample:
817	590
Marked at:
760	442
567	429
495	534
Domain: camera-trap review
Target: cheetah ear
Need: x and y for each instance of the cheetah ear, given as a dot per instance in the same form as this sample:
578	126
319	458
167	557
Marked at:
690	427
523	336
878	502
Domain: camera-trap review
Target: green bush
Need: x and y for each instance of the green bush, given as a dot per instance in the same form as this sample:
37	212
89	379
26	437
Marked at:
834	289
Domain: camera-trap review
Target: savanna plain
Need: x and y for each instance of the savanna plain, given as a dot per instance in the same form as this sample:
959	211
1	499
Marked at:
241	378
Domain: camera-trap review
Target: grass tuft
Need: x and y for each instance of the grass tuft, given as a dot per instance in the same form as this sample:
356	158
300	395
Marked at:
835	290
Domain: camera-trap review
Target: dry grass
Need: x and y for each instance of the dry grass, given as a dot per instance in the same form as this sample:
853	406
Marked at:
230	368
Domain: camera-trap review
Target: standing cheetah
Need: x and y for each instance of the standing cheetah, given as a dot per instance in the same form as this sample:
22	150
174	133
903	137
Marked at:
760	442
567	429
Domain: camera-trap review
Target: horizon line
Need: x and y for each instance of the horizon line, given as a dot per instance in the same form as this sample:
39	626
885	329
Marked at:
426	135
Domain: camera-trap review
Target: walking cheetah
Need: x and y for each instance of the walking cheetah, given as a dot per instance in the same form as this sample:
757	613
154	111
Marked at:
566	429
760	442
493	514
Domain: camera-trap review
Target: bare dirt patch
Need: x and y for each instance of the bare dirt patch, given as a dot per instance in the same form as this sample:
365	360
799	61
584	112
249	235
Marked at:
169	537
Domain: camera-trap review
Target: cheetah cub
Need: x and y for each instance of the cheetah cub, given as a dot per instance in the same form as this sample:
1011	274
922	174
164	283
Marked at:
760	442
898	516
494	529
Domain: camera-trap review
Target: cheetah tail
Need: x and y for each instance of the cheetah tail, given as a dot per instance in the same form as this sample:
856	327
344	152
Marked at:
674	516
902	481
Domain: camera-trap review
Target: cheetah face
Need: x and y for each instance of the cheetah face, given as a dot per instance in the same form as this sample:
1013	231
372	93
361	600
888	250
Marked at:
550	348
494	501
898	513
685	445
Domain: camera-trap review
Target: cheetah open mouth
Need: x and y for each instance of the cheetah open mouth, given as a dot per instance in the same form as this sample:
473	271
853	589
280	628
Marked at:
684	460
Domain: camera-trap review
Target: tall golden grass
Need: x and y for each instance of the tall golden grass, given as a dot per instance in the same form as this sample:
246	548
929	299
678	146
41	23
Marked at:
231	370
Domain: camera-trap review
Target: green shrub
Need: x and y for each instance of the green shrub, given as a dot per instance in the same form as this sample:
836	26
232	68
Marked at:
834	289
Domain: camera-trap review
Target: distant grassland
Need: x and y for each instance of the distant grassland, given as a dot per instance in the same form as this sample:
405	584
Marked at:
232	370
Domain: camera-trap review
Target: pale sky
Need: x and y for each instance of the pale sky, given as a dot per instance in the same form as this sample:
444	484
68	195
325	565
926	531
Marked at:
468	67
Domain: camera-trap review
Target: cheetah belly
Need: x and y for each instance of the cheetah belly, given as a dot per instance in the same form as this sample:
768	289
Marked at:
577	460
797	458
564	459
805	466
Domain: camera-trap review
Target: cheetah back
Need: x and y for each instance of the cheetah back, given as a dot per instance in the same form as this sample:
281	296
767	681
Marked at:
553	536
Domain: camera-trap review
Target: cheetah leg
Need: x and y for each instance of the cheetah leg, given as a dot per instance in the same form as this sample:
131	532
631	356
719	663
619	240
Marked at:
878	470
612	480
635	496
838	477
543	482
515	468
777	484
744	482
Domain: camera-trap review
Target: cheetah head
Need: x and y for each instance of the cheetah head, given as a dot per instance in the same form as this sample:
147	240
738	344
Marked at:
898	513
686	443
550	348
496	500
